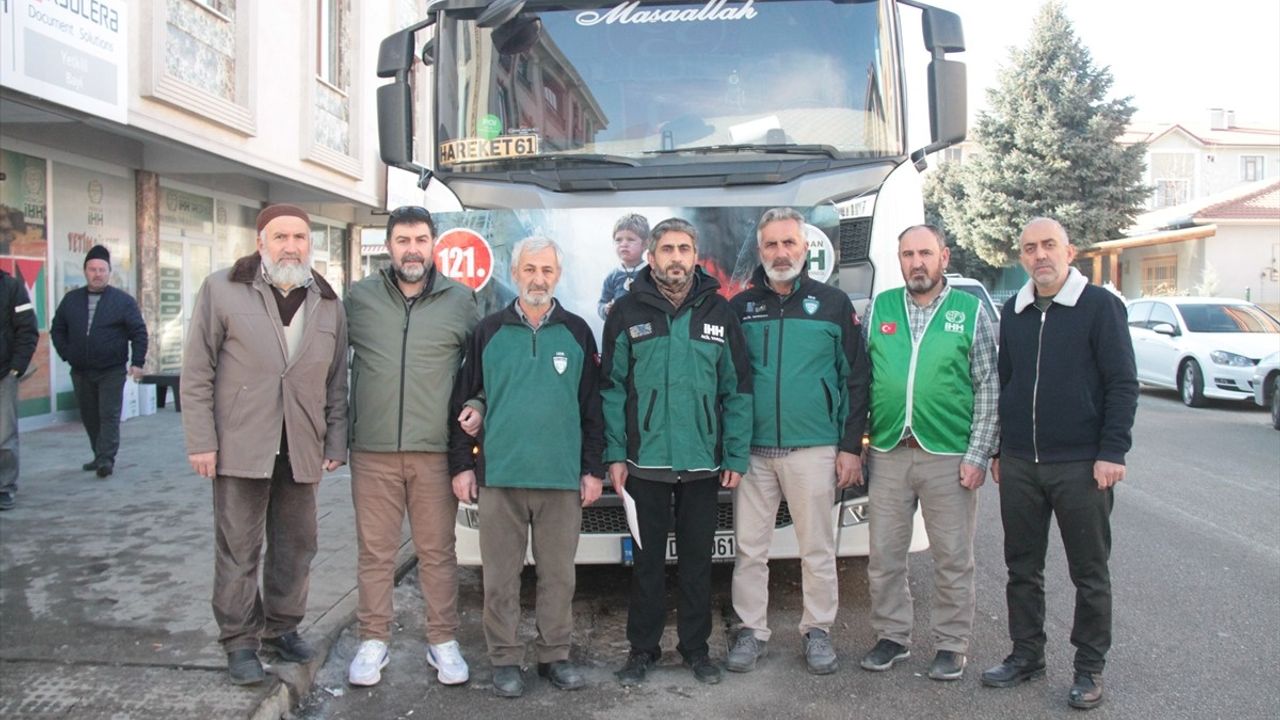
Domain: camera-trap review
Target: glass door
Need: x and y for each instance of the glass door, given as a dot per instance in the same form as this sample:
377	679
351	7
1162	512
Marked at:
184	264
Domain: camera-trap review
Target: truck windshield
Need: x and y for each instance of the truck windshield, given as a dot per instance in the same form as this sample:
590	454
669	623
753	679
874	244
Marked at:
639	84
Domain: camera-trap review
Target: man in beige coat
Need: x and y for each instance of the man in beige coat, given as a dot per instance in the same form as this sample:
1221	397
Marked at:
264	395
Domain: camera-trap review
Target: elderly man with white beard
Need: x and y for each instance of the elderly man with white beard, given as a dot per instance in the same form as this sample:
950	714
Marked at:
409	326
264	395
538	462
810	375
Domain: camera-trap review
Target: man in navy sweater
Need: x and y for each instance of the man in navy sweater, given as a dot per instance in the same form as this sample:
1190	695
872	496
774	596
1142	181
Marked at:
1068	394
93	330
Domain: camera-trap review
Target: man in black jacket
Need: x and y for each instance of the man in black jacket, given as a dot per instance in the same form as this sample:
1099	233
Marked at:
1068	395
92	331
18	337
675	383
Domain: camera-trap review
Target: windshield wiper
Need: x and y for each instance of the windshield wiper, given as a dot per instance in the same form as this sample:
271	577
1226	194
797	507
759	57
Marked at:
784	148
584	158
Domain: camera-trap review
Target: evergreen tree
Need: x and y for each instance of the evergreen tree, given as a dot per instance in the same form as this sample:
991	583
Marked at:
943	193
1049	148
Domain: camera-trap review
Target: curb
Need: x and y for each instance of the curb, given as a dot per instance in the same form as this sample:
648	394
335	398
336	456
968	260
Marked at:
290	683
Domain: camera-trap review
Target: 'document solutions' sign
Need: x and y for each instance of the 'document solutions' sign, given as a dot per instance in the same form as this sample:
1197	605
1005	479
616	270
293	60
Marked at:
72	52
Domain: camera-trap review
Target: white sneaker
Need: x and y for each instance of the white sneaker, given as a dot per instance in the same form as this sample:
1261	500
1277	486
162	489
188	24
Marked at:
446	658
366	666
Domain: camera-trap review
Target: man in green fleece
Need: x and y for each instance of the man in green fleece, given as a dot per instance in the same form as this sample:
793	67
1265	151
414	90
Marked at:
676	385
536	365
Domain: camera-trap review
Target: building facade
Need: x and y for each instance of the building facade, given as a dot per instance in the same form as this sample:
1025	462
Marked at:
160	129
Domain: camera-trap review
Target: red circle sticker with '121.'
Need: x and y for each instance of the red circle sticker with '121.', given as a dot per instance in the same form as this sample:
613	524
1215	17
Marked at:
465	256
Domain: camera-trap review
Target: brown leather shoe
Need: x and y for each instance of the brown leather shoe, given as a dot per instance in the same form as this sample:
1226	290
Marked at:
1086	691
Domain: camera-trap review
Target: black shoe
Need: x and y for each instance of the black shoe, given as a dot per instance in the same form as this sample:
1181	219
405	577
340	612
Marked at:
508	681
884	655
947	665
562	674
6	500
244	667
90	466
704	669
290	647
638	664
105	469
1086	691
1013	671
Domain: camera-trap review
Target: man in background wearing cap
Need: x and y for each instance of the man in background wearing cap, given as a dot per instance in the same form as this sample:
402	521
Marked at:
92	331
264	395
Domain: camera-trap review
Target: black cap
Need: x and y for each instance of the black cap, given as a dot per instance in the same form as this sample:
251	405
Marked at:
98	252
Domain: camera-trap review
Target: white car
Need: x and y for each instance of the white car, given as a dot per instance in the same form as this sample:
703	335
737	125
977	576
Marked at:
1203	347
1266	386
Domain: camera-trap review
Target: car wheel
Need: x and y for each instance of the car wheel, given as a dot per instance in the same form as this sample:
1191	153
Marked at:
1275	403
1192	384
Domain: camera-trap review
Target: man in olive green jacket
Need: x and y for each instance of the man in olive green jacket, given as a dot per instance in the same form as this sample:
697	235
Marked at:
409	327
264	395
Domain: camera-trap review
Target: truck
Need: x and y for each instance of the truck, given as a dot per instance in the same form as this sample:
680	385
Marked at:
554	114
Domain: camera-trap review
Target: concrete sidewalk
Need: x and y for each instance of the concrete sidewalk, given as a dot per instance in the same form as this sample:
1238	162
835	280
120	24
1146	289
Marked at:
105	585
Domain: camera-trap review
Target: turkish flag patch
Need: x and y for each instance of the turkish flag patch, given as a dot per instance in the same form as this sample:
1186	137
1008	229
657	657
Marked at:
888	328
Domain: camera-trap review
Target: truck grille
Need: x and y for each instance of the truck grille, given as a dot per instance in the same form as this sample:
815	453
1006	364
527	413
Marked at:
613	520
855	240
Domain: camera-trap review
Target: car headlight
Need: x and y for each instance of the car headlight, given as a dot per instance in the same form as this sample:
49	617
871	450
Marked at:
1222	357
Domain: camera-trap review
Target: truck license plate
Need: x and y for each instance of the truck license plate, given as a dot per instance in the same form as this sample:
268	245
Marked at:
723	547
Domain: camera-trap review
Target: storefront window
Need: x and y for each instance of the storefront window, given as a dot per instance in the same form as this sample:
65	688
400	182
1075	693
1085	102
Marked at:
90	208
329	252
24	252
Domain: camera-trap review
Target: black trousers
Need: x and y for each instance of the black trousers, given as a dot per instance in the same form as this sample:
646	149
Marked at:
695	526
100	394
1029	493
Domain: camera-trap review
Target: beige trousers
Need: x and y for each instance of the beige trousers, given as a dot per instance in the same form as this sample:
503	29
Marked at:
901	479
806	478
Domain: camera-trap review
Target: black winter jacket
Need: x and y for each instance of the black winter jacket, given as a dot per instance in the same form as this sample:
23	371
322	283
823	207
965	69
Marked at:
1068	383
117	324
18	332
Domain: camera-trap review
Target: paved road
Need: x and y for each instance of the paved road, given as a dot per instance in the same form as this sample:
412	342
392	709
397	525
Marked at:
1197	621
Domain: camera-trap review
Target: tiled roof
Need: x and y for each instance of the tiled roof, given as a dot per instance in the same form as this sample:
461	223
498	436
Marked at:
1255	200
1150	132
1260	204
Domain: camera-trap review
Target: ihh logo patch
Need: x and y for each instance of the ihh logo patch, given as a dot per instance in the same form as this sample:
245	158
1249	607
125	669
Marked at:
955	321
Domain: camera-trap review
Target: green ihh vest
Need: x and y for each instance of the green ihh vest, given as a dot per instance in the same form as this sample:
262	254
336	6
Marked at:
926	385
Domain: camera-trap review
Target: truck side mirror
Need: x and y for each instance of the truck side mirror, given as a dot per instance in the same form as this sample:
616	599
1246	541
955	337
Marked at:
395	126
948	100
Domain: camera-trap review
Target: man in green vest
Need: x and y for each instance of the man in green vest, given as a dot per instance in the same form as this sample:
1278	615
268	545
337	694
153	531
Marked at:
933	427
539	461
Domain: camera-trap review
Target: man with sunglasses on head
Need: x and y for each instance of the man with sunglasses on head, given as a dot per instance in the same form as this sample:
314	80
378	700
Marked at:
408	329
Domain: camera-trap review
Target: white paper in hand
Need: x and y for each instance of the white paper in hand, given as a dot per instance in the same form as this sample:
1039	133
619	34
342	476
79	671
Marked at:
629	504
